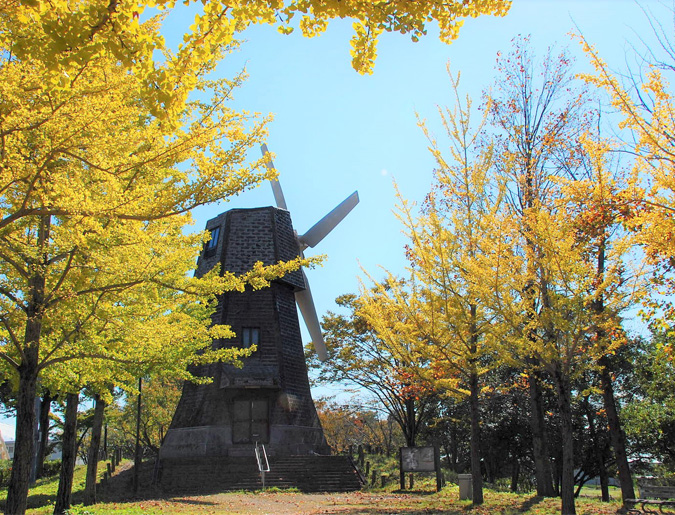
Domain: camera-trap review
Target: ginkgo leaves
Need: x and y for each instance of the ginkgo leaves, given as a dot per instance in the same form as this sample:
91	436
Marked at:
65	36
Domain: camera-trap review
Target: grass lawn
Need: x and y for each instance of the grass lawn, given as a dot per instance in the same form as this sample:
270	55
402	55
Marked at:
422	500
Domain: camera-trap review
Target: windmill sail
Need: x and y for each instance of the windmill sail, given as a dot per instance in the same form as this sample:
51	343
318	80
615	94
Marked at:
306	304
323	227
311	238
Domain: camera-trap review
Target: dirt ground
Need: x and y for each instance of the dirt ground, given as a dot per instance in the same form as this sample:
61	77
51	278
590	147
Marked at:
355	503
117	495
291	504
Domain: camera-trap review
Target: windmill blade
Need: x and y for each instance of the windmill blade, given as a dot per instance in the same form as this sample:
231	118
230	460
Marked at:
321	229
276	186
306	304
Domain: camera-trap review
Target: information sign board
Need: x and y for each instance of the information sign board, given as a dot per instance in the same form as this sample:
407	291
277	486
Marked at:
418	459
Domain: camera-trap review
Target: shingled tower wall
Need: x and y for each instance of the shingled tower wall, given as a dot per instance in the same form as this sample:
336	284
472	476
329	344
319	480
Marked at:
269	399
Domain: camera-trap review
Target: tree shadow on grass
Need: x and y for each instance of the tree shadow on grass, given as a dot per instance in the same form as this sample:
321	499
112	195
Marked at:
38	500
414	492
34	500
525	507
194	502
530	503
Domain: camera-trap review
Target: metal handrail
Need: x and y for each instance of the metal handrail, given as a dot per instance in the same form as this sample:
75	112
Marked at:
359	472
263	463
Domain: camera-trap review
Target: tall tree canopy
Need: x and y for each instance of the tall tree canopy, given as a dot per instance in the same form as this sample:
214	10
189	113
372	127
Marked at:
438	308
94	194
646	105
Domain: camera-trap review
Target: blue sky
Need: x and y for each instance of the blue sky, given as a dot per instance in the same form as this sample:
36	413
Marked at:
336	131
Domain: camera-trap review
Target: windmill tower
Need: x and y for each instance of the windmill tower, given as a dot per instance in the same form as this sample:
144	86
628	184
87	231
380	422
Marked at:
269	399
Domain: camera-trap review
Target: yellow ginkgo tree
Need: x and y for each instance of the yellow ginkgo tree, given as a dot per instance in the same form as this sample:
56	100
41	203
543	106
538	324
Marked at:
647	109
145	331
537	114
645	206
558	285
436	315
95	193
545	311
597	201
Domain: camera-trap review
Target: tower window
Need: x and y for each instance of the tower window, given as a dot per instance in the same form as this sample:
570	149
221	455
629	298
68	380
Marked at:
250	336
213	242
210	246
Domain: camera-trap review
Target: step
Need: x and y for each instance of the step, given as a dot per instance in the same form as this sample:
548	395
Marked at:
306	473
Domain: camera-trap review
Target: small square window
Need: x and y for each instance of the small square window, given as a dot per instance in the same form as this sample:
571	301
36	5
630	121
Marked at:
213	242
250	336
210	246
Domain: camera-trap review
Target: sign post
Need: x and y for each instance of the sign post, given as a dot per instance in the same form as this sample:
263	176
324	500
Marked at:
420	459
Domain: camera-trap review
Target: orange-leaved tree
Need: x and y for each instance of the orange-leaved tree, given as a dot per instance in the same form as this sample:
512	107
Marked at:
358	356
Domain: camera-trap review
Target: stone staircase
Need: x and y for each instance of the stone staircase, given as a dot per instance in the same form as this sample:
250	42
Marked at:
309	473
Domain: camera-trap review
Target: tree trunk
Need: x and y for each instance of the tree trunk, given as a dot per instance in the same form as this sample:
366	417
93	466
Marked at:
92	455
515	475
542	463
24	445
598	451
105	442
69	449
604	483
138	458
476	476
410	422
616	433
617	436
45	408
564	395
453	450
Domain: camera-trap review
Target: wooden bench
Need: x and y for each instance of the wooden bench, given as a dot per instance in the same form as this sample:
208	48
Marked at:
652	495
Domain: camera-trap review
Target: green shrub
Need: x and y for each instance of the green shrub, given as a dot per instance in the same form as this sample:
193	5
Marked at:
450	477
5	472
51	468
